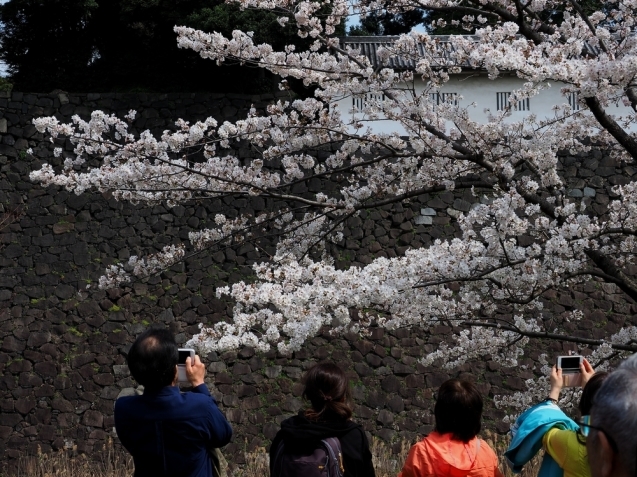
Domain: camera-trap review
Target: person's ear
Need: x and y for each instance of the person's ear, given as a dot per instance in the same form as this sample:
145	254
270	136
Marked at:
176	378
601	456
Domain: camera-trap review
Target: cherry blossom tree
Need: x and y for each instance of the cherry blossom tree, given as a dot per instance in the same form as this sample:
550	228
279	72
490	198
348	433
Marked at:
511	167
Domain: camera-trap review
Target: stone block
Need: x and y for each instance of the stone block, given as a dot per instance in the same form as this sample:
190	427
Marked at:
270	429
246	390
11	345
234	415
93	418
385	417
403	370
293	372
462	205
435	379
66	420
363	370
64	292
273	371
240	369
217	367
390	384
396	404
37	339
386	434
423	220
104	379
373	360
13	251
415	381
376	399
121	370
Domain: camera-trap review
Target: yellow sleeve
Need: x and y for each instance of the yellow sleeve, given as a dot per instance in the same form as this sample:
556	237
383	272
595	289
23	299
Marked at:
555	443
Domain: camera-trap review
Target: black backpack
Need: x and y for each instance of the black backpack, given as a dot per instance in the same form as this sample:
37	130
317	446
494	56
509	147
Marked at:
324	460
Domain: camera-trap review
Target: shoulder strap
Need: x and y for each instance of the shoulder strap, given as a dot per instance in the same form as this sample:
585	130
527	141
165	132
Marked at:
277	457
333	447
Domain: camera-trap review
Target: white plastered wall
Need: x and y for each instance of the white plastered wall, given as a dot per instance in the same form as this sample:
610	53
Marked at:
479	89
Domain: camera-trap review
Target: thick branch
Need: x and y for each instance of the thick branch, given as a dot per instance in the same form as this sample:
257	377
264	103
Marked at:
578	8
614	129
606	265
632	97
425	190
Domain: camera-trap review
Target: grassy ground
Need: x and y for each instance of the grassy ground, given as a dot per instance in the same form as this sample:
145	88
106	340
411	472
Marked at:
112	462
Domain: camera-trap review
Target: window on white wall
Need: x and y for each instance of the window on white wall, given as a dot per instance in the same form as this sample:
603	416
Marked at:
573	101
441	98
360	102
502	102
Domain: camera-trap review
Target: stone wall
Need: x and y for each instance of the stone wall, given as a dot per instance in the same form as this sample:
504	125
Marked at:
61	347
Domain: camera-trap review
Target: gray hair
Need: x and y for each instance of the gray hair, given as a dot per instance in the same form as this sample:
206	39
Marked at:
615	411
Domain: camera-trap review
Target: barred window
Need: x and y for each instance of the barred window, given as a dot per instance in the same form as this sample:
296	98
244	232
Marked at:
502	102
360	102
441	98
573	101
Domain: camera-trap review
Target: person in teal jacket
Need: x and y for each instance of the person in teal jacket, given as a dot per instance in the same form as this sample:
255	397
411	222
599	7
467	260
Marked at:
527	434
546	425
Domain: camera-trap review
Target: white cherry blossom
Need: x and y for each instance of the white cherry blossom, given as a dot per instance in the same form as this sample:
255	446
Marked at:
511	167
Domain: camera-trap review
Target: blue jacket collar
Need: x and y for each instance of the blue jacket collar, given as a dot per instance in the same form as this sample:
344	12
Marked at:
165	391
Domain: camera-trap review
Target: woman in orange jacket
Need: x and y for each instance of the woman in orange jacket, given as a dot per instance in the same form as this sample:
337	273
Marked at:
453	448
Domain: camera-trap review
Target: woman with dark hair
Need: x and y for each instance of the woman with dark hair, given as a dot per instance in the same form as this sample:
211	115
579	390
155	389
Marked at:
453	448
568	447
329	416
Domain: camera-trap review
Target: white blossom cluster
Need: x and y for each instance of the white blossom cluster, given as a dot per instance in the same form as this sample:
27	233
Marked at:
511	167
136	266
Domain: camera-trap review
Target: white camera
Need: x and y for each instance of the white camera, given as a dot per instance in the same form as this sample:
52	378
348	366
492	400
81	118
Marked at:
184	353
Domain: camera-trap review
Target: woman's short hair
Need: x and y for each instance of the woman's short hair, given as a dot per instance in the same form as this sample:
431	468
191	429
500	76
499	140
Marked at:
153	357
589	391
327	389
458	410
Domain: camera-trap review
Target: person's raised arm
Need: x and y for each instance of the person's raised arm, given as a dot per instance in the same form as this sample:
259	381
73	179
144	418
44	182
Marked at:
586	371
218	427
557	382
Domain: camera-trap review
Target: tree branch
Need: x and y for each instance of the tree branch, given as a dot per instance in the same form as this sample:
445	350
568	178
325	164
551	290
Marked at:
614	129
623	281
550	336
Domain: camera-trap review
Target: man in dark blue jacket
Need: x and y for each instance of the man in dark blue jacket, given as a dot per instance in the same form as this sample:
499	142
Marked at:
168	433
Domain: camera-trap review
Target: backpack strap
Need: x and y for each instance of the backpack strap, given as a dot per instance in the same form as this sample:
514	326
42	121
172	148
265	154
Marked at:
278	457
333	447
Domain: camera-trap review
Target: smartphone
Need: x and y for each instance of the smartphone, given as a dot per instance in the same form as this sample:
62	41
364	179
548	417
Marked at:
569	364
181	363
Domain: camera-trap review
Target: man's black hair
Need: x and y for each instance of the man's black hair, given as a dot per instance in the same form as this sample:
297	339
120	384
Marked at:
153	357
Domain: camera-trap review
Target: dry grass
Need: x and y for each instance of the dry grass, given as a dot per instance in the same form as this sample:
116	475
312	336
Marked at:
113	462
500	444
109	461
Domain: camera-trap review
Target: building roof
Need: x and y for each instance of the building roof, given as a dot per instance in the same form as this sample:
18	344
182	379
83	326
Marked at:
369	46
